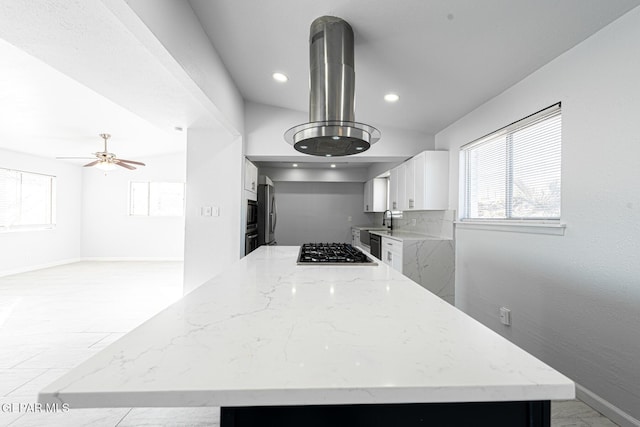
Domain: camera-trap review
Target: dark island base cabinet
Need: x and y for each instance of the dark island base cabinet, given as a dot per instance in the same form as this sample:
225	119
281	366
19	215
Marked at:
512	414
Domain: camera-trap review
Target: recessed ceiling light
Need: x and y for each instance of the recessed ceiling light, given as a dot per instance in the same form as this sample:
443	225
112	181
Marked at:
335	137
327	155
359	148
391	97
295	165
333	165
304	147
279	77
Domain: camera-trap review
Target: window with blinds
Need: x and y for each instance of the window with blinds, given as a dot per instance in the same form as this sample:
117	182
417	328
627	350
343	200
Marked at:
27	200
514	173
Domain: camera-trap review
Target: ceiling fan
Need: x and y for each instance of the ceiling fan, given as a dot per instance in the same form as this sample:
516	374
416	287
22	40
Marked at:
106	160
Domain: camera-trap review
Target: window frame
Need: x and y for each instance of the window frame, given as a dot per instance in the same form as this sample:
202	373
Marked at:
51	203
546	225
148	213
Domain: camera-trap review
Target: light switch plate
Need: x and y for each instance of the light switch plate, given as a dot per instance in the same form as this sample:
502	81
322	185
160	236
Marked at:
215	211
205	211
505	316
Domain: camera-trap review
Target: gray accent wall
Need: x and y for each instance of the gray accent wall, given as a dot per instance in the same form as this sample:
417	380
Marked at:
318	211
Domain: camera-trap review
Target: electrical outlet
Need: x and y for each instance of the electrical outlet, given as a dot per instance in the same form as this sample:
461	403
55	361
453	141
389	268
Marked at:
505	316
413	221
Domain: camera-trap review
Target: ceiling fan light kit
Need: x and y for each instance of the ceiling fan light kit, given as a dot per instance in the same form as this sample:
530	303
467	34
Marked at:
108	161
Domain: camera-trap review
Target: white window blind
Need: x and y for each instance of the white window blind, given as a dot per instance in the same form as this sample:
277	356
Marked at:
514	173
156	199
27	200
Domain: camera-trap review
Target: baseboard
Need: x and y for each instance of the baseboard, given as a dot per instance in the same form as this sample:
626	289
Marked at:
179	259
13	271
610	411
27	269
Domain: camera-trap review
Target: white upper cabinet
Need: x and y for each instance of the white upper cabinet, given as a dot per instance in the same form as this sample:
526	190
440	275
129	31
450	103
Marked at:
421	183
410	186
375	195
393	189
430	175
250	176
431	181
397	190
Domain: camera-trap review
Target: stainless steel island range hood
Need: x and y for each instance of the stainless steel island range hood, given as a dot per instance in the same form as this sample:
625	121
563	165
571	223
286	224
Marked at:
331	130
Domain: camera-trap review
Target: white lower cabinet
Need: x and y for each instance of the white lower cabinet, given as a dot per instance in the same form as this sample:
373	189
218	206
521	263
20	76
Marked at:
391	253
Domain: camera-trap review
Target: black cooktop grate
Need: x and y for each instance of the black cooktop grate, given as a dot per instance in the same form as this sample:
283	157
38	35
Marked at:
332	254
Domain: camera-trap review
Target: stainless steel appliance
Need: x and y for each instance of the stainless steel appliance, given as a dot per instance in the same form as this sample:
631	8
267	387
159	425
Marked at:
365	239
252	212
332	254
376	245
332	129
251	234
267	211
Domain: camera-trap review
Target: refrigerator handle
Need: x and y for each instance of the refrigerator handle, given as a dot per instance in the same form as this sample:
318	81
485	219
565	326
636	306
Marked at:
275	216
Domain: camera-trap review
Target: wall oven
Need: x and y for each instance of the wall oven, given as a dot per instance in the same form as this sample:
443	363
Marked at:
252	213
251	235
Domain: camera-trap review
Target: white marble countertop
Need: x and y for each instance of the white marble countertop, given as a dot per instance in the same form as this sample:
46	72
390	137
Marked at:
370	227
270	332
405	235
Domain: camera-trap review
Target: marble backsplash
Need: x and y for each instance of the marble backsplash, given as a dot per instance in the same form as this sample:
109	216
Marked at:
432	223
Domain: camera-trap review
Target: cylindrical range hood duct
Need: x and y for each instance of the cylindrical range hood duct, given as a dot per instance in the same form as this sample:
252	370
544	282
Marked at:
332	79
332	130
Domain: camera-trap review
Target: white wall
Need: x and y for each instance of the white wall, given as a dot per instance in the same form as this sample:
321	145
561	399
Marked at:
108	231
22	250
318	211
214	178
575	299
176	26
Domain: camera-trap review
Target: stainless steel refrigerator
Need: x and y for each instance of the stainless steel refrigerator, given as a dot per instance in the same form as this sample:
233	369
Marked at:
267	211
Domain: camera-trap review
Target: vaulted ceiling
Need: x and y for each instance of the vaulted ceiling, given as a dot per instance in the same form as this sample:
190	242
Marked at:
443	58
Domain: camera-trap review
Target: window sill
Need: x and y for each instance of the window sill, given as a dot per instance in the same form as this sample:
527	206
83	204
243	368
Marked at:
25	229
555	229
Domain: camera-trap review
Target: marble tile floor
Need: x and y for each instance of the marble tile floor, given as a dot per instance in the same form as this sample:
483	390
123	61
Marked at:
53	319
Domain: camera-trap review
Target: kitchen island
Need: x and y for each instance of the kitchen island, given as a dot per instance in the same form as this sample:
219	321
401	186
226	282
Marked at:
275	343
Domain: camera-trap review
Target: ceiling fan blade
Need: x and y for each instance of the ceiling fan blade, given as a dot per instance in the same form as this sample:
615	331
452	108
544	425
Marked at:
124	165
131	161
92	163
86	158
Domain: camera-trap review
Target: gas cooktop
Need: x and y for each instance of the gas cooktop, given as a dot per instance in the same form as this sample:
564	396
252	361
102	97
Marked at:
332	254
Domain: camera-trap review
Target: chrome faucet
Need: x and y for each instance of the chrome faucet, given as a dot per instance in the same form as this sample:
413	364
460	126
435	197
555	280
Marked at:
390	219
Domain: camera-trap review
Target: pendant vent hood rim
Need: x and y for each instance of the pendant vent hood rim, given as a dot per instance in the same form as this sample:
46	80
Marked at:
353	137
